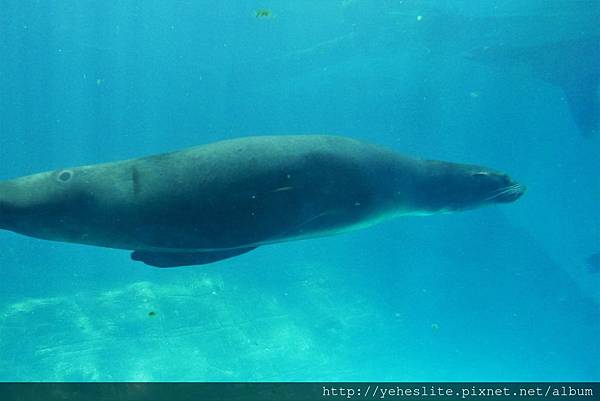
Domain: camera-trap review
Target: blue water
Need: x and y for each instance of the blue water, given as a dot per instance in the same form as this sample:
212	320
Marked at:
498	293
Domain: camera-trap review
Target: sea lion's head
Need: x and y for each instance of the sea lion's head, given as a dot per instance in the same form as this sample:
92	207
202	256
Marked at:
450	187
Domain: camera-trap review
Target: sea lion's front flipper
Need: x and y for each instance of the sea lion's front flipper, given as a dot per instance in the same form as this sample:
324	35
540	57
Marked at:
175	259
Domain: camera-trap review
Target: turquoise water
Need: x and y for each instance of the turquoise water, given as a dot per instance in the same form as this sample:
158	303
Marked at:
499	293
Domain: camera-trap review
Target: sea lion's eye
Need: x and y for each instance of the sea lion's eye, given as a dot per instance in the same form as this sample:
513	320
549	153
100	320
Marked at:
481	174
64	175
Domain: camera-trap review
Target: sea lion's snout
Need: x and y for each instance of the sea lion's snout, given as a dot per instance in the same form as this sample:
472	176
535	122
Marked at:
511	193
451	187
500	187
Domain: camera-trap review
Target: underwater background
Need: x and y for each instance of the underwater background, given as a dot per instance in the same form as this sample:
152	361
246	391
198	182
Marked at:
501	293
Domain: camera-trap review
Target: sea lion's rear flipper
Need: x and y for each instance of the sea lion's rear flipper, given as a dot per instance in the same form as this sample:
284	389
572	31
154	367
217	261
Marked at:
175	259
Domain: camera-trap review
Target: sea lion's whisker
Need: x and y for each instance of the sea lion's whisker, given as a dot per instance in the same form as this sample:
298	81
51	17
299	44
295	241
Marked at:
512	189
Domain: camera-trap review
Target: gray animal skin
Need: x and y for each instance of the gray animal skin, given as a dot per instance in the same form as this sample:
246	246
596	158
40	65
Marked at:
212	202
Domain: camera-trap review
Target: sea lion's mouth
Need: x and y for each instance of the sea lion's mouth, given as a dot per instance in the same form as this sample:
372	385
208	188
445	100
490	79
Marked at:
508	194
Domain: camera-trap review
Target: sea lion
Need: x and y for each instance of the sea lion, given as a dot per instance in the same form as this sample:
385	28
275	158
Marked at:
572	65
593	263
212	202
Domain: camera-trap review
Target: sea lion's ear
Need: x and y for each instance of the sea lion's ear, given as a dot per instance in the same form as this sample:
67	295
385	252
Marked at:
175	259
481	174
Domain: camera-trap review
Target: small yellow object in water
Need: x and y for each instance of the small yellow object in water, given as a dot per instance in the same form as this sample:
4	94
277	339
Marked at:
263	13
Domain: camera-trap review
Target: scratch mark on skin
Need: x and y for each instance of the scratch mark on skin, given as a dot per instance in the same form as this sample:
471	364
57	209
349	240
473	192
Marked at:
135	180
282	189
